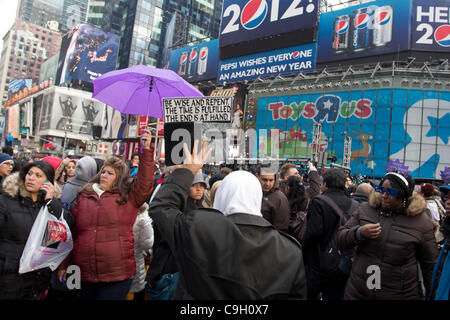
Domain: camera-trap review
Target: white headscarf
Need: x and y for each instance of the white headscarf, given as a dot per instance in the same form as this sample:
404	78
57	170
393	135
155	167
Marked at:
239	192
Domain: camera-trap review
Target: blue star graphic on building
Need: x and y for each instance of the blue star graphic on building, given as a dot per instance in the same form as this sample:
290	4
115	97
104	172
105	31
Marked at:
442	132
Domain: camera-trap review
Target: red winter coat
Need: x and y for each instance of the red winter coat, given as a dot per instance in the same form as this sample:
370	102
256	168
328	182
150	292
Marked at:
103	235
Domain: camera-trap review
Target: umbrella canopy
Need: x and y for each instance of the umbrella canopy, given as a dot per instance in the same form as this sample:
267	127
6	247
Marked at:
140	89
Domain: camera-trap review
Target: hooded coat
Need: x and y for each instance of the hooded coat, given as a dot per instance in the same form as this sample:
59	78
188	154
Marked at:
17	215
143	242
406	239
233	253
85	169
103	235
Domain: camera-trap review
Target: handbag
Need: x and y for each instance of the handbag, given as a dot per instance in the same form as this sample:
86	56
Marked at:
164	288
48	244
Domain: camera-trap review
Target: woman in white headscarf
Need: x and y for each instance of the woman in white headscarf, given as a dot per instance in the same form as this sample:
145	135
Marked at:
231	251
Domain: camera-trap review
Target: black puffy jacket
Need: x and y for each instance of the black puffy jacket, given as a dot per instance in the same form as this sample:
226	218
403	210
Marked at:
17	215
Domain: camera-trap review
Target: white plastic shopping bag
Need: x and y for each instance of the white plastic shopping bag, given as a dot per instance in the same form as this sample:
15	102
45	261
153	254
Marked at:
49	243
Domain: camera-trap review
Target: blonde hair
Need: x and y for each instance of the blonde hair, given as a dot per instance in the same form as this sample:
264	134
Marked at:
214	188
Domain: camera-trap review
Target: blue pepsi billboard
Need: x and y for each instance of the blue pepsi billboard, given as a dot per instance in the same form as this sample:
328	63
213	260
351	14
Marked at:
370	29
431	25
410	125
265	64
245	20
196	63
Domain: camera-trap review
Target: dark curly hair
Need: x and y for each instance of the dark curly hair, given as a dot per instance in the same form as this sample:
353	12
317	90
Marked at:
123	182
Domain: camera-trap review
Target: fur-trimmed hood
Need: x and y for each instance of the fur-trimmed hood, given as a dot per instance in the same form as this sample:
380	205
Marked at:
416	203
14	186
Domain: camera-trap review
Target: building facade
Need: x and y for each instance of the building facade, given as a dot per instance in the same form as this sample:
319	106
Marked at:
62	15
25	48
148	29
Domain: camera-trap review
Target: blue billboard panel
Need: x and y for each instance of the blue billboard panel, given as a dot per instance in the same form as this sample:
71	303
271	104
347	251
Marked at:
245	20
412	126
369	29
283	61
86	53
15	85
196	63
431	25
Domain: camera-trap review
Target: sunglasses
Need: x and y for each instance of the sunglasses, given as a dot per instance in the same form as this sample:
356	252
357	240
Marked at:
390	191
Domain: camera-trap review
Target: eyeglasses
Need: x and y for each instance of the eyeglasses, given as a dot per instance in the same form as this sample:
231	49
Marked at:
8	164
390	191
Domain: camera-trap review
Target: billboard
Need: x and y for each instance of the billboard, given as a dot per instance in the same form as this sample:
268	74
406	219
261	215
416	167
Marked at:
370	29
431	25
16	85
196	63
64	111
49	68
245	20
412	126
86	53
271	63
12	127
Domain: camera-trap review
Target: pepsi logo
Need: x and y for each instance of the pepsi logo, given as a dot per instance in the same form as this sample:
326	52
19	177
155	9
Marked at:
342	26
442	35
254	13
361	21
203	55
193	55
183	59
383	17
296	55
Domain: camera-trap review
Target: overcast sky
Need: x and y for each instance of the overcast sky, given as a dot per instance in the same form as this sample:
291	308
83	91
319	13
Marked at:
7	15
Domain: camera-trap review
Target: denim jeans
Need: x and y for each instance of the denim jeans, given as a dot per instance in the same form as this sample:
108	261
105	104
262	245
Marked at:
105	290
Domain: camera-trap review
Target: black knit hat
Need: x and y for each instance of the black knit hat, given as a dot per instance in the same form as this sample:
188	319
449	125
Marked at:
43	165
405	185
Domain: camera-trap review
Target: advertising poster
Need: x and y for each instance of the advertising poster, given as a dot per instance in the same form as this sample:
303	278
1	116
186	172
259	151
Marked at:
107	121
245	20
431	25
16	85
196	63
370	29
13	121
266	64
46	110
418	134
86	53
64	112
168	42
49	68
132	125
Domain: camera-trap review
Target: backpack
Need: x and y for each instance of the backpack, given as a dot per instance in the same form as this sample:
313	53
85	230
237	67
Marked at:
333	259
297	225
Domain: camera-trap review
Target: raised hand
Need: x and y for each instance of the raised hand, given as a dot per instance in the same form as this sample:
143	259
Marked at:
146	139
195	161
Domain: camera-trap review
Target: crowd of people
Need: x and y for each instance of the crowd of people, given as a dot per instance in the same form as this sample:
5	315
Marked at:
143	231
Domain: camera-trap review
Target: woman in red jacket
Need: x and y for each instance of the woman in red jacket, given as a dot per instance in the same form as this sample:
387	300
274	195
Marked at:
105	212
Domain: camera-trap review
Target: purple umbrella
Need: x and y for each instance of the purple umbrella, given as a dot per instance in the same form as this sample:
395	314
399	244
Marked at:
140	89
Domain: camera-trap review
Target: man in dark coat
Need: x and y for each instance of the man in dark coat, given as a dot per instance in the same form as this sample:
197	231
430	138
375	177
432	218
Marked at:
275	206
362	192
322	223
232	252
